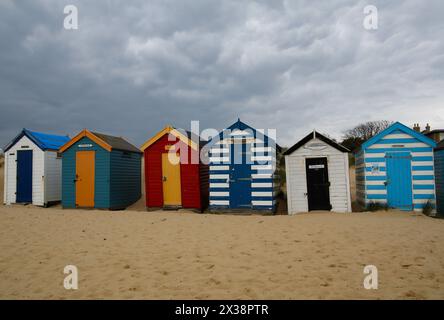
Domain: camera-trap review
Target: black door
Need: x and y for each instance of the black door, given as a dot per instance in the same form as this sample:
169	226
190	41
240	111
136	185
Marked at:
317	184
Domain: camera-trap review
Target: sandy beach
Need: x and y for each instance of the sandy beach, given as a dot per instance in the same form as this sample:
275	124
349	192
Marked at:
182	255
135	254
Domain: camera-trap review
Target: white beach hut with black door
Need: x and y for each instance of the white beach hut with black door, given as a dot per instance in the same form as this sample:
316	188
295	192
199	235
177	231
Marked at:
317	175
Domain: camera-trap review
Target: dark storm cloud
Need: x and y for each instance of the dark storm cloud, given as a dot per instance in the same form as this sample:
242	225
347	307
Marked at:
133	67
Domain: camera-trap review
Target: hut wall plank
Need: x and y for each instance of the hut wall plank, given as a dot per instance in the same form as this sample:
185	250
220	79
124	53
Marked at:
125	179
53	177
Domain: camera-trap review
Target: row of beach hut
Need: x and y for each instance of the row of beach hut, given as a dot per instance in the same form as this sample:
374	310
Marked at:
399	168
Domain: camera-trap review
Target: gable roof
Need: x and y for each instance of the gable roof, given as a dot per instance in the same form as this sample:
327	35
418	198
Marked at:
241	126
117	143
43	140
316	135
398	126
189	139
107	142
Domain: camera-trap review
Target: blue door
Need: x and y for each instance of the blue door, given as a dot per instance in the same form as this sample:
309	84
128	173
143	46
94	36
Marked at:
399	180
240	175
24	176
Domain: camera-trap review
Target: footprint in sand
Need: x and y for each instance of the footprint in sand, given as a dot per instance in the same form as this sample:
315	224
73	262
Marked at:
413	295
213	281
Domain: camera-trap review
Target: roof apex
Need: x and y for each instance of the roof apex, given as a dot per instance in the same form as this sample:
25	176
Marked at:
398	126
315	135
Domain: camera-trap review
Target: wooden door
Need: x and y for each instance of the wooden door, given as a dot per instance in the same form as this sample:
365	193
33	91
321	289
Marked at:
240	175
318	186
24	176
399	180
85	165
171	179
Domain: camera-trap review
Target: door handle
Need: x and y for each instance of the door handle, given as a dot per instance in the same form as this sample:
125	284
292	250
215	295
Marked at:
164	178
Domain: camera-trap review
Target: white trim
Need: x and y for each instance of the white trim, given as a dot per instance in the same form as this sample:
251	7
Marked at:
219	185
219	202
261	158
262	203
262	185
219	194
219	168
404	145
262	194
262	167
219	151
262	176
262	149
219	176
220	159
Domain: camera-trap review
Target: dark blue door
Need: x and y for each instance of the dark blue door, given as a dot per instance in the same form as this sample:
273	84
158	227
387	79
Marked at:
240	175
24	176
399	180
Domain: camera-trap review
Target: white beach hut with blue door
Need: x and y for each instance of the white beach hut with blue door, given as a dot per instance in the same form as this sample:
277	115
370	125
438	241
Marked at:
396	168
242	164
33	170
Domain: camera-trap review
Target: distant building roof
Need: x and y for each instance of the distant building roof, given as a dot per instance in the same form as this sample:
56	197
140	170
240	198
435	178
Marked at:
43	140
432	131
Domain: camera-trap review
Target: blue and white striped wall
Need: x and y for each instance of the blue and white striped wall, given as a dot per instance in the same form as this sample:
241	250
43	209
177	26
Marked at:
371	169
264	184
219	161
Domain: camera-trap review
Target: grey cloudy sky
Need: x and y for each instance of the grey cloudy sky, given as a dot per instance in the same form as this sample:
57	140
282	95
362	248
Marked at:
133	67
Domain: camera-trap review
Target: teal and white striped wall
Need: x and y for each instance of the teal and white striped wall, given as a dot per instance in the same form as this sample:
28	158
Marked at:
371	168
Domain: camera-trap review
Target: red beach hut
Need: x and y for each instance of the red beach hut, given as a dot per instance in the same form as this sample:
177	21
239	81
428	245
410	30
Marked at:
175	176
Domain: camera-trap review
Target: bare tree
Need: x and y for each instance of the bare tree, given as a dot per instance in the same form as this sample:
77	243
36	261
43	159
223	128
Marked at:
353	138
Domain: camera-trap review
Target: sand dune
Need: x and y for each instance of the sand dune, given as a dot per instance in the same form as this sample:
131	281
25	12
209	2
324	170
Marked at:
180	255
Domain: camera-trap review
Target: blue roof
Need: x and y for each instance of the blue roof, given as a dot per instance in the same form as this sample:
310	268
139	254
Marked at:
43	140
398	126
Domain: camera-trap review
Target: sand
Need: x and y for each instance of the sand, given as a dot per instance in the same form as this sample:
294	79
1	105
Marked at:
135	254
182	255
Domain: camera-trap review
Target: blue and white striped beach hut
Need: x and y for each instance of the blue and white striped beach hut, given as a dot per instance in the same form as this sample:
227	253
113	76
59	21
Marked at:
396	168
242	169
